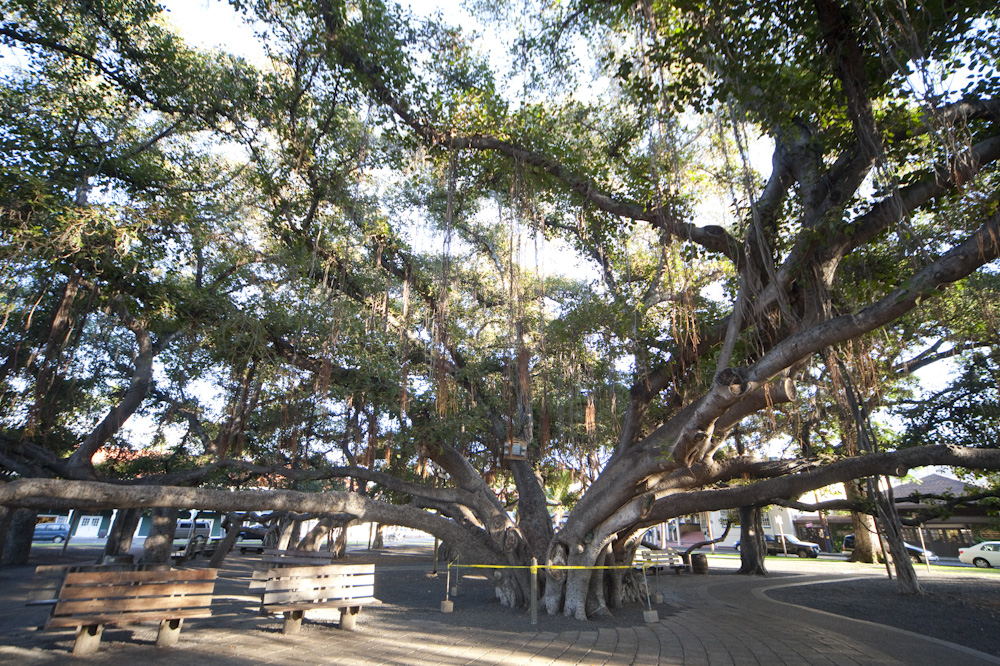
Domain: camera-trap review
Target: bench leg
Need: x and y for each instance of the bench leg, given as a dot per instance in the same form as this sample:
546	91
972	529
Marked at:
170	632
293	622
349	618
88	639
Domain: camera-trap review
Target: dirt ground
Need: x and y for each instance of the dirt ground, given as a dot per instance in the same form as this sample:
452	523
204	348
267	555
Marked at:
956	606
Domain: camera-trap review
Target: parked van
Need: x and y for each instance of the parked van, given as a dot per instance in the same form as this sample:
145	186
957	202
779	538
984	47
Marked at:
202	527
55	532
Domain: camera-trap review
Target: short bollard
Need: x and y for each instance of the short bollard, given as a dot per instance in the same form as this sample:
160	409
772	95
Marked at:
657	597
455	591
534	590
650	616
447	606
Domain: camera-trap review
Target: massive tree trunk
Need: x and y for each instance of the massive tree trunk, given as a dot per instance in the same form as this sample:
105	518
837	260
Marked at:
159	544
122	530
753	547
17	539
340	541
235	524
314	539
867	547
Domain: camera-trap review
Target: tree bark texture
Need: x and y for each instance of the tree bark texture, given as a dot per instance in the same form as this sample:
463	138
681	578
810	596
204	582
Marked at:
235	524
17	541
906	577
314	539
159	544
120	535
867	547
753	547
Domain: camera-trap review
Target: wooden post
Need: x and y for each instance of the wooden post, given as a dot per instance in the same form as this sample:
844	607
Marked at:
534	590
293	622
88	640
74	518
170	632
923	547
349	618
781	531
708	520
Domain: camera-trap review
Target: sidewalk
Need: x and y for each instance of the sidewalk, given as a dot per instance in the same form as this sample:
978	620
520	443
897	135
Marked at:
703	620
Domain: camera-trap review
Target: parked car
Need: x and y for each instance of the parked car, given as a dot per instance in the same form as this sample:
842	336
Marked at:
917	554
55	532
792	544
252	531
984	555
202	528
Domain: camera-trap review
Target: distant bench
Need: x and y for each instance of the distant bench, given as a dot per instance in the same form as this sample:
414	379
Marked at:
198	545
292	590
273	558
652	559
90	597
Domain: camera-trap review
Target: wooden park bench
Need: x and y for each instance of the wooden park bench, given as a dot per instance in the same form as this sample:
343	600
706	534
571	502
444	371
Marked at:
273	558
91	598
660	559
292	590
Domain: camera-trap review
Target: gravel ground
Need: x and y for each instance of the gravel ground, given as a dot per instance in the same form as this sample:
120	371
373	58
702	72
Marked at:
960	606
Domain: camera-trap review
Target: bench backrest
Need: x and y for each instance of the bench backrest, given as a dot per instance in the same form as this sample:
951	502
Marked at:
328	584
294	557
49	578
121	597
661	558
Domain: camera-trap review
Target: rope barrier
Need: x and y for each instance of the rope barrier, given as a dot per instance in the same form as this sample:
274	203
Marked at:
555	567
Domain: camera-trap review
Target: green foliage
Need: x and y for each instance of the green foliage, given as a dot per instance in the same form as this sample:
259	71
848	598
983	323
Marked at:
964	413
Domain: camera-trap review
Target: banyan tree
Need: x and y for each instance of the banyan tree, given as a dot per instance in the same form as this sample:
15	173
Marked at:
665	258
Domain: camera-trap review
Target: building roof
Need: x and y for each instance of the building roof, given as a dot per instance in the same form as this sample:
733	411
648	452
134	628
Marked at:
935	484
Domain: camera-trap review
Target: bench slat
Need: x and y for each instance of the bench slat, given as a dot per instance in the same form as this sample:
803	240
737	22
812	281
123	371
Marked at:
278	608
131	604
332	589
122	576
152	589
321	594
130	618
312	554
293	582
325	570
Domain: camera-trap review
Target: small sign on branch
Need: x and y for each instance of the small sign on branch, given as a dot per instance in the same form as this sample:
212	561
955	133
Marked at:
515	449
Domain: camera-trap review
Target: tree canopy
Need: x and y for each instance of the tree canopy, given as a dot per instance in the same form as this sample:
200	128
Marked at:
359	276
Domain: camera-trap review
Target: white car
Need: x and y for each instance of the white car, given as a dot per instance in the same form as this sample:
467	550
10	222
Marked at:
984	555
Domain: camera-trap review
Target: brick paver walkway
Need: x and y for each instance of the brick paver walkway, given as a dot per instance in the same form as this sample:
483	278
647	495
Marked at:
704	621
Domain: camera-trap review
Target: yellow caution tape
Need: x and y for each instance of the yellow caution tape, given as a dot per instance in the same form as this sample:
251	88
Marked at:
553	567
